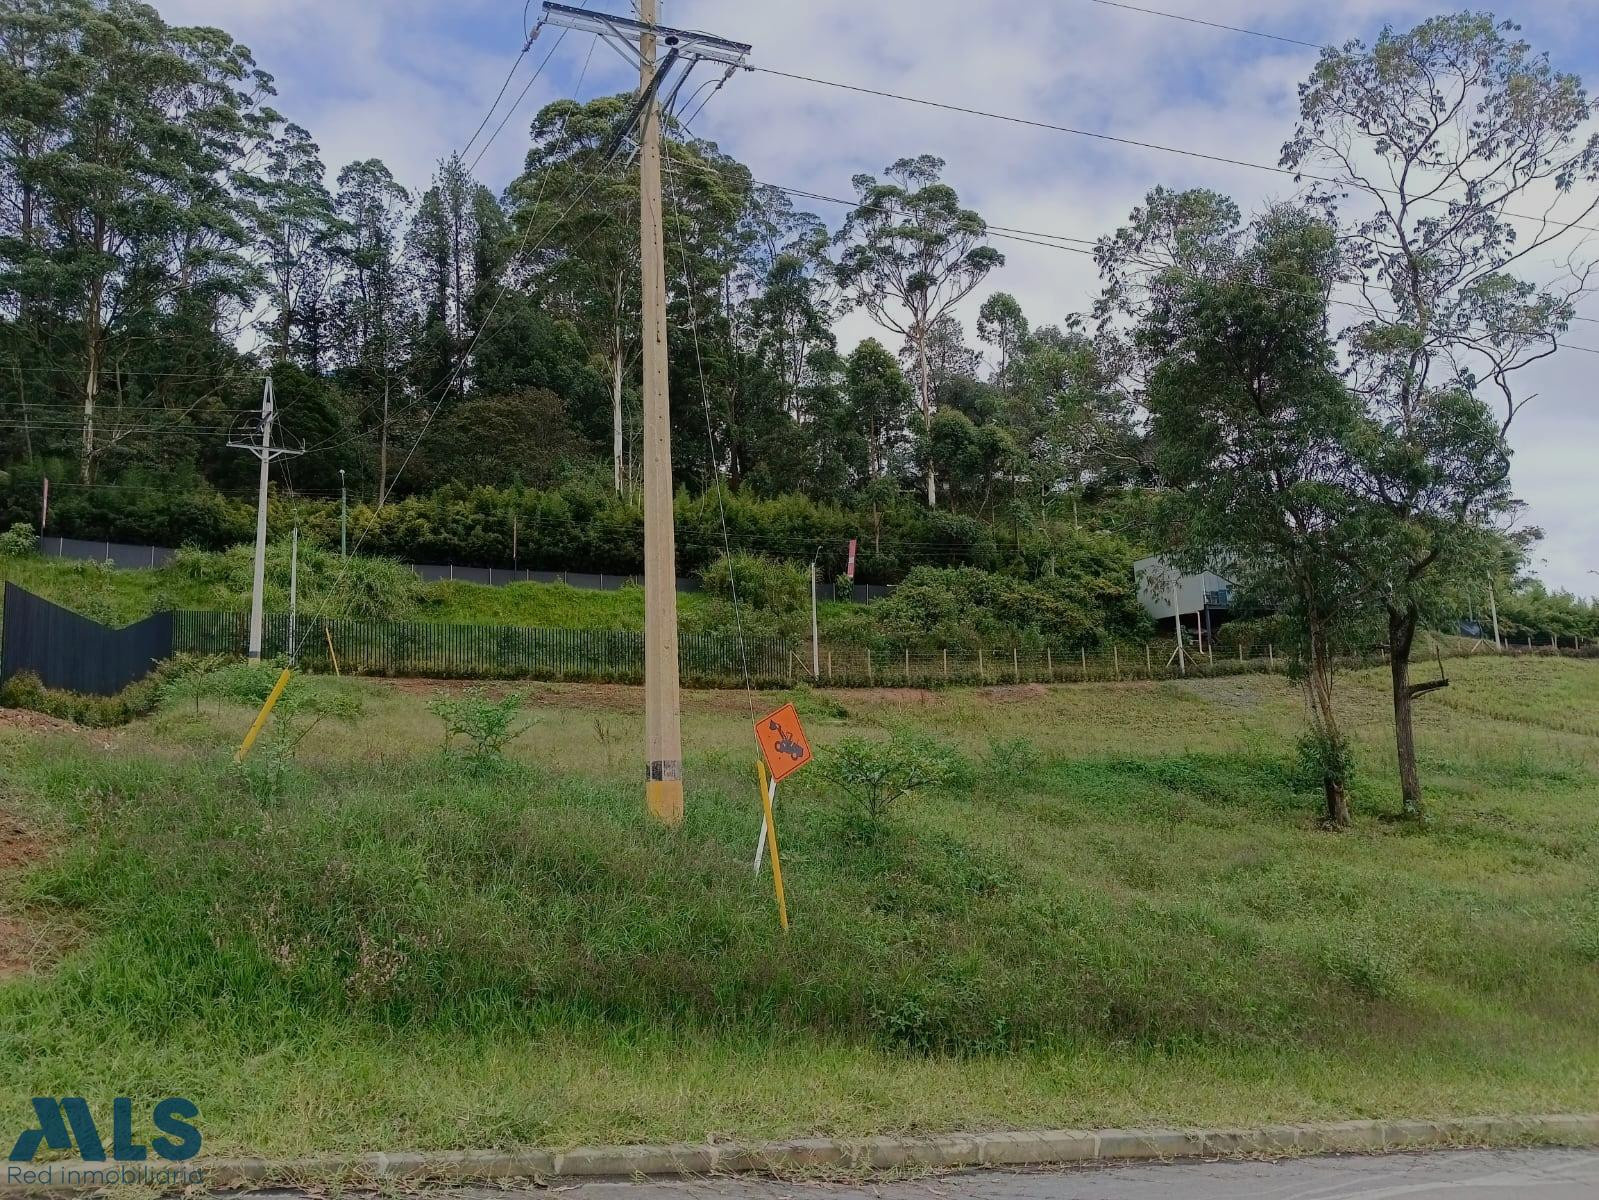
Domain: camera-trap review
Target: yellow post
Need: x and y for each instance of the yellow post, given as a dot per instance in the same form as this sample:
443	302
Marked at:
329	634
261	717
771	844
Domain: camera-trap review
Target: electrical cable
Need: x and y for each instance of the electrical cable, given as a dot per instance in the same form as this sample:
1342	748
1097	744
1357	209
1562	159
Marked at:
1155	12
1097	135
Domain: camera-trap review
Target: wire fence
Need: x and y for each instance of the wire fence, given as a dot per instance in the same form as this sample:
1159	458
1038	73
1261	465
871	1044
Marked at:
434	651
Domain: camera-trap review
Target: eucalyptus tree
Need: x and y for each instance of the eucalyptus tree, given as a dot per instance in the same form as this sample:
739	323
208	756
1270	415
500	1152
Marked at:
910	254
294	225
1002	325
1446	151
584	257
372	205
121	137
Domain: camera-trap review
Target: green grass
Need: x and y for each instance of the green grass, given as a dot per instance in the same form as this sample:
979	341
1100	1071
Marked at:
122	596
1136	922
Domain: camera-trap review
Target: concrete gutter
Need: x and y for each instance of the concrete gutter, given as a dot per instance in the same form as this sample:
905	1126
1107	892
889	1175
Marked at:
838	1156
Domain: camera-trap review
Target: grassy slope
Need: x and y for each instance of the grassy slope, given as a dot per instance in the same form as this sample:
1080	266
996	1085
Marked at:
124	596
1140	924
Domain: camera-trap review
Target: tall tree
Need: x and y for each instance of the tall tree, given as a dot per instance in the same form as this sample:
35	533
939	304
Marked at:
1252	426
122	135
1447	137
372	206
911	253
1002	325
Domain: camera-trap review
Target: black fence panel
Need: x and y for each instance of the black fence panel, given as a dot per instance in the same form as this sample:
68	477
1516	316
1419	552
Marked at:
73	653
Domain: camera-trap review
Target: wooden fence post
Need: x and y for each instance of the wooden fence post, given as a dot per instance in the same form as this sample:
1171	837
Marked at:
870	677
1083	650
981	677
1016	663
1049	655
1116	660
1271	657
946	664
1149	664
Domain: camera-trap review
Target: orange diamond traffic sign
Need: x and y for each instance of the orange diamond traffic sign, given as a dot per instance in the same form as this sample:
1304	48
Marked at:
783	743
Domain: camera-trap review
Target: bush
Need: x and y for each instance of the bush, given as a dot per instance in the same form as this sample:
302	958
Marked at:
875	777
483	721
759	582
964	606
19	541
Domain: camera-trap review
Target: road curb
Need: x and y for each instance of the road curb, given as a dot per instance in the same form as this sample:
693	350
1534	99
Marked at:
1022	1148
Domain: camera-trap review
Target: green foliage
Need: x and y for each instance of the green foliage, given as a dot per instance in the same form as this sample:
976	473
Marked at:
876	776
759	582
1322	758
19	541
138	699
360	586
1087	603
484	721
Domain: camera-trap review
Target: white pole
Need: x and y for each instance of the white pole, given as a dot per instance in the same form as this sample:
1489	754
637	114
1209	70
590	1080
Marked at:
1493	607
760	845
816	645
294	591
258	587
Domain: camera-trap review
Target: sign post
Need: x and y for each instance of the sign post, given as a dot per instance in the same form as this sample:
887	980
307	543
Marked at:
784	750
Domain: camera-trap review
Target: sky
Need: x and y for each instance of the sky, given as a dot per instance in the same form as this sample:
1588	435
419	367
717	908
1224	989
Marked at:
409	81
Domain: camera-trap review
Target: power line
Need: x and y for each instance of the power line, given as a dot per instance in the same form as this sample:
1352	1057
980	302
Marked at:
1097	135
1155	12
1053	241
511	112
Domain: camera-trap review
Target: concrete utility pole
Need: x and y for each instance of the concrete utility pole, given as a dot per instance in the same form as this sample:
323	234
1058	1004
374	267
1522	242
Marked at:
344	517
663	731
294	591
266	452
638	41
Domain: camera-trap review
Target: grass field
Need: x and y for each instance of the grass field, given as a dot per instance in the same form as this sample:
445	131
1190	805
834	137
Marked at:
1120	911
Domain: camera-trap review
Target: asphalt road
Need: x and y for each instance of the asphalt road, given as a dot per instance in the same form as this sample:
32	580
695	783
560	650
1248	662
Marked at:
1450	1175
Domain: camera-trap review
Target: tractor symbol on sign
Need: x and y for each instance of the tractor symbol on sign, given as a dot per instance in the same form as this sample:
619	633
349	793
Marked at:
785	743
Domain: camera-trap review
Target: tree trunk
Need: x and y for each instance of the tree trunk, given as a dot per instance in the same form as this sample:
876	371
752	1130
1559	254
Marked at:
91	388
1401	637
927	417
616	387
1324	722
383	443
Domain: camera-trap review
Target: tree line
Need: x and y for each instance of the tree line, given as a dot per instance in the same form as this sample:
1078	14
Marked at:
1317	397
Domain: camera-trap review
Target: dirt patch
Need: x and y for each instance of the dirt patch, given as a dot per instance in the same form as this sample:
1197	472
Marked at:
602	697
33	722
19	845
25	943
1013	693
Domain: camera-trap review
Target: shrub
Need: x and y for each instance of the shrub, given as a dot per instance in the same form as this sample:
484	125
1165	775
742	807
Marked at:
19	541
762	583
484	722
877	776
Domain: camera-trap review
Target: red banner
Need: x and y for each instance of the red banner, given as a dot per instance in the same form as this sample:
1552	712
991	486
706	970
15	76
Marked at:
850	571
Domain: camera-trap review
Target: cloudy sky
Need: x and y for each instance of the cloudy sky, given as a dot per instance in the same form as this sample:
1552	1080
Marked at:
410	80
